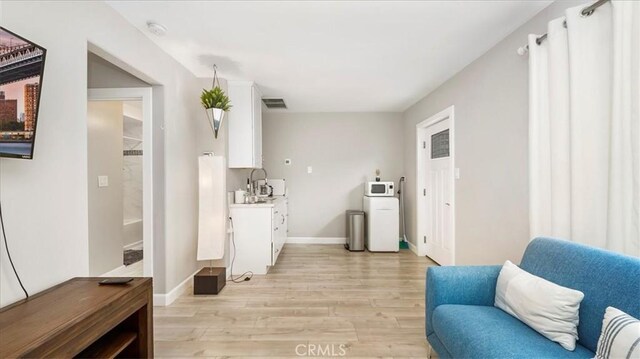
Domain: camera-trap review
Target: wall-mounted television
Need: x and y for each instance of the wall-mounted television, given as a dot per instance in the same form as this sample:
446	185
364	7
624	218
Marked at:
21	71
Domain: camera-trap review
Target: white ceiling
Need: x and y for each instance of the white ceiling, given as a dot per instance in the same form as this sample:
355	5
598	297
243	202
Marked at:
323	56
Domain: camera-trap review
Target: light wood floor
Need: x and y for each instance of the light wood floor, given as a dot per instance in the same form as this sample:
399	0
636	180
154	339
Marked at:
317	297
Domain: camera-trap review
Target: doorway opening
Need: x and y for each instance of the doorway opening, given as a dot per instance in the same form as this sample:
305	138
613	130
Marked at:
120	182
435	187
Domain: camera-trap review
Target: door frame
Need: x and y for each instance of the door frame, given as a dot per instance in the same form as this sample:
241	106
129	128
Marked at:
143	94
421	178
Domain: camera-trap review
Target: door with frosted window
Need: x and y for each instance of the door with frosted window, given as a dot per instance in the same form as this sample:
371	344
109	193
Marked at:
438	193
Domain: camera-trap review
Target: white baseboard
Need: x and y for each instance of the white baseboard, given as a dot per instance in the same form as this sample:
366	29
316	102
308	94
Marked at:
133	245
413	248
163	300
111	272
316	240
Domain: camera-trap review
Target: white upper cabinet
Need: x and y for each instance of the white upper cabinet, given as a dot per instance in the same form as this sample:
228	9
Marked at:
245	125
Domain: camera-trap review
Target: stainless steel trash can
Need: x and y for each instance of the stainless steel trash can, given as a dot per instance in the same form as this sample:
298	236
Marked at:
355	231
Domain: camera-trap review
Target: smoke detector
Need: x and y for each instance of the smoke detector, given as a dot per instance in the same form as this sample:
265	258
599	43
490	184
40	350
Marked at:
156	29
274	103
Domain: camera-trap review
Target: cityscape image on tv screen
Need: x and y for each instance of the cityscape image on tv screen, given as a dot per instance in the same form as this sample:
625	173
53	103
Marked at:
21	68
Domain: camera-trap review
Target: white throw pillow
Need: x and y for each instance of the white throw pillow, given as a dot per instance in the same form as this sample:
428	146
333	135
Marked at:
548	308
620	335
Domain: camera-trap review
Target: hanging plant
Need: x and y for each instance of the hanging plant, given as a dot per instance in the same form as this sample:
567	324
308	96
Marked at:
215	98
216	103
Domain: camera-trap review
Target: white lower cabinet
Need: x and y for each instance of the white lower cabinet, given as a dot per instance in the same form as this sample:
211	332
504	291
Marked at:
260	232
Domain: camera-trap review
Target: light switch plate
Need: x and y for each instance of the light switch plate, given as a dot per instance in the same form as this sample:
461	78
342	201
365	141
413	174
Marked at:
103	181
457	173
309	169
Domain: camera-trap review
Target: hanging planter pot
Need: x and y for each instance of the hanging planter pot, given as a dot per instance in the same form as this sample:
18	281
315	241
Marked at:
215	116
216	103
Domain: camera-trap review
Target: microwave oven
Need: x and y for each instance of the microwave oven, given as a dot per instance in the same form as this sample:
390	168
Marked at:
378	189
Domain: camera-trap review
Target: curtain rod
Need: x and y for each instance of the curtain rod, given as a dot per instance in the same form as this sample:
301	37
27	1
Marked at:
587	11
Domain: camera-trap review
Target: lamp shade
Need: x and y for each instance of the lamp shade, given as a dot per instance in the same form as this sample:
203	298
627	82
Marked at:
212	209
215	115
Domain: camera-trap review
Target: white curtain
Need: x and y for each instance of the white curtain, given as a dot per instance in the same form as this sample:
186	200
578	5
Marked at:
584	128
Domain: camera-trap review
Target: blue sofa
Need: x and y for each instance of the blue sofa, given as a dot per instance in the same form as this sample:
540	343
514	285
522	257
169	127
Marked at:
462	322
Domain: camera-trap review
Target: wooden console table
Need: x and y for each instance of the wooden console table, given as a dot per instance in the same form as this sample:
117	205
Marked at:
79	318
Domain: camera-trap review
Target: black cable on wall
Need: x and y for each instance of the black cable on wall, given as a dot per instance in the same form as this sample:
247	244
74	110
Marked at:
4	235
246	275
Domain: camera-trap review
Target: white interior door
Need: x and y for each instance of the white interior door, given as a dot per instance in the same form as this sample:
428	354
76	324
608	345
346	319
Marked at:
438	192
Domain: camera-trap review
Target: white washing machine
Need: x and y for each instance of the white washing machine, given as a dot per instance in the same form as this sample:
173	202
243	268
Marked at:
383	224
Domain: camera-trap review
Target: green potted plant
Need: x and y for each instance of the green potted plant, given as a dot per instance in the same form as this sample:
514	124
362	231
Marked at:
215	103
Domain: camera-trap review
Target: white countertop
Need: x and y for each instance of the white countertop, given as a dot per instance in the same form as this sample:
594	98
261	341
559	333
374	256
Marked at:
268	204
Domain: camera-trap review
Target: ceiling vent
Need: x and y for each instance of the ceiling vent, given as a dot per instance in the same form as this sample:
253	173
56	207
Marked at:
274	103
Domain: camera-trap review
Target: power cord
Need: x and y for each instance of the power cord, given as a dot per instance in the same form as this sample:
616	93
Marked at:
248	274
4	235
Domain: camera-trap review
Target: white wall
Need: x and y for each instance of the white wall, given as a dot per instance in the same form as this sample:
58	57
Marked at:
45	200
103	74
491	114
105	203
344	150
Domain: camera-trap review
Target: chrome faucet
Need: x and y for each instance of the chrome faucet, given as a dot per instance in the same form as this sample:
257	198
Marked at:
251	180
